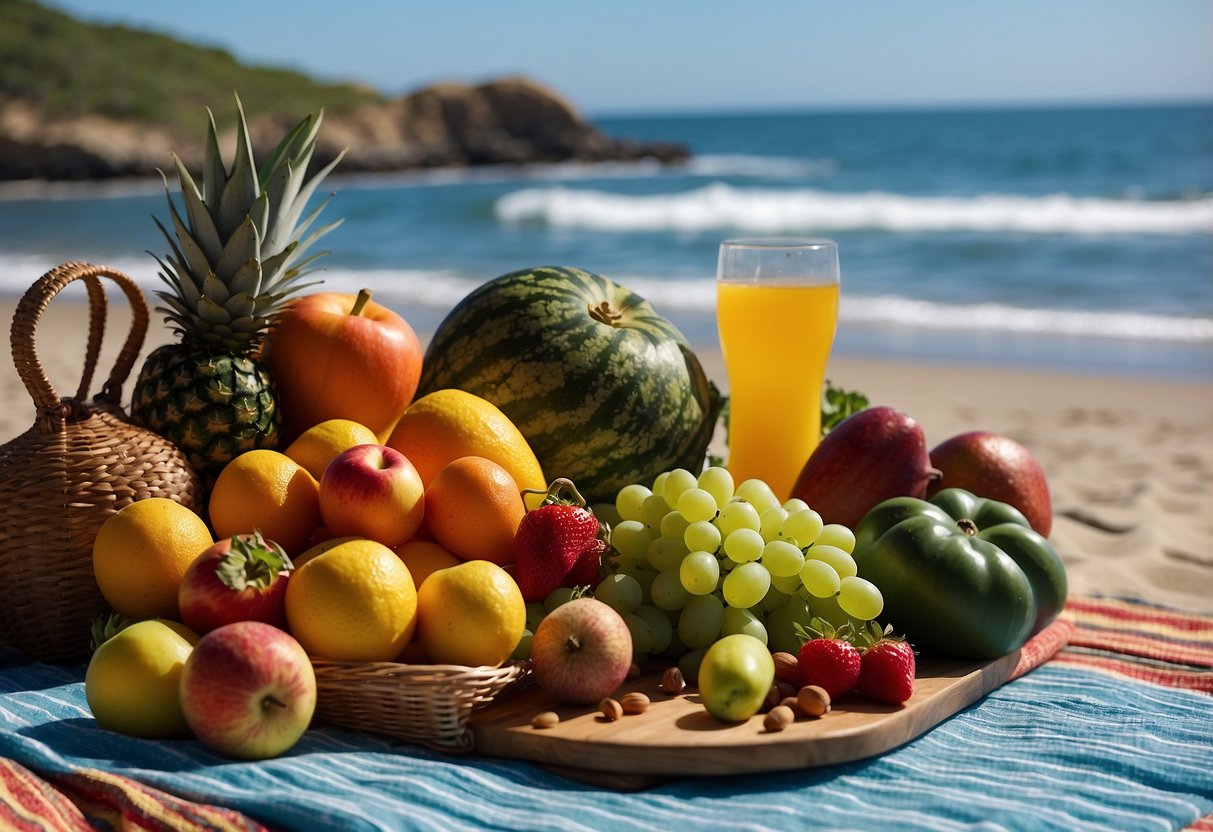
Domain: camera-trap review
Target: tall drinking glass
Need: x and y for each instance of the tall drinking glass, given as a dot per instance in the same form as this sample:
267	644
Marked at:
776	311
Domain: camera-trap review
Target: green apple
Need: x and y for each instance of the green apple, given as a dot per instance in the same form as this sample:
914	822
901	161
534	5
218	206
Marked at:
735	676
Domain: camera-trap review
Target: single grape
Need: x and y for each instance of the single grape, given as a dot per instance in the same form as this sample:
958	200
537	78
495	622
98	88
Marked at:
702	535
673	525
737	515
559	595
660	628
644	575
718	482
782	559
860	598
781	625
620	592
606	512
631	539
836	534
658	485
642	636
699	623
771	519
696	504
668	592
794	505
842	562
744	545
699	573
819	578
666	553
801	527
678	481
742	621
828	609
774	599
757	493
689	665
746	585
786	585
655	507
535	612
629	502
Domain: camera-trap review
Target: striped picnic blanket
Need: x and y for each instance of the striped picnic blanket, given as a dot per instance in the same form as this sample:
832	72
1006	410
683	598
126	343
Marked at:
1115	732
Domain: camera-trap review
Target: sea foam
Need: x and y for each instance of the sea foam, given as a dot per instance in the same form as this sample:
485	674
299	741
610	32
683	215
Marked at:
761	210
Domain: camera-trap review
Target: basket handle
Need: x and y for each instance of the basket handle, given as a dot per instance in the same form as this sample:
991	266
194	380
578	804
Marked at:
25	323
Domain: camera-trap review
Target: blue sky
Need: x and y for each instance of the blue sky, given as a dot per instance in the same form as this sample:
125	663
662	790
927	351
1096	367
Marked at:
654	56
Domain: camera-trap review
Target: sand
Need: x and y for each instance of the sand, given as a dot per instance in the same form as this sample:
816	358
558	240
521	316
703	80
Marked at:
1129	461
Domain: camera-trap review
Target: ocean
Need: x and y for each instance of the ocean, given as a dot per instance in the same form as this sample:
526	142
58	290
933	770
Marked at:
1064	239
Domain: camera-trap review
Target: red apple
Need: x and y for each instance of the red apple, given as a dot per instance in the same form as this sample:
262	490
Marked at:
240	578
248	690
581	651
372	491
998	468
341	356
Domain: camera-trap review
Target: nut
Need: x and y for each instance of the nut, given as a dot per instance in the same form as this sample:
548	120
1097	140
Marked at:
780	717
634	703
791	702
814	701
633	670
788	689
545	719
787	668
611	709
773	698
672	681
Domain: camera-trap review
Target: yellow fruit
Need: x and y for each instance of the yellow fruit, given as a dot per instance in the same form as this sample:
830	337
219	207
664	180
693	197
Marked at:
448	424
131	684
423	558
471	614
315	448
356	602
269	492
141	553
320	548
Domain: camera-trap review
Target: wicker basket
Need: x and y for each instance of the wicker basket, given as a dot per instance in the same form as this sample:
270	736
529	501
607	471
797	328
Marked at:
425	704
80	462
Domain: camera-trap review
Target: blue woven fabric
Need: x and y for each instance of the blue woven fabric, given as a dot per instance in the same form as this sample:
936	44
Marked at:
1060	748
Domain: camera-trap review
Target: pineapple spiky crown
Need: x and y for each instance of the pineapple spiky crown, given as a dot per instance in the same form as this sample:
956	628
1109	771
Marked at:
237	255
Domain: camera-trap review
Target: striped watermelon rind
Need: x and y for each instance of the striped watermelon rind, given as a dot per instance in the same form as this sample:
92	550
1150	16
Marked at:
605	390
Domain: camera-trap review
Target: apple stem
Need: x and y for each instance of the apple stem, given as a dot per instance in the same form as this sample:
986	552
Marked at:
269	702
364	297
573	645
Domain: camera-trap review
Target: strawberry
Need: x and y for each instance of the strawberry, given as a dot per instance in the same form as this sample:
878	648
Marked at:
559	543
830	663
886	672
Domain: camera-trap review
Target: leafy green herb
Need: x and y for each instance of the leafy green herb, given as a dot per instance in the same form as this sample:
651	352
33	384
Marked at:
837	404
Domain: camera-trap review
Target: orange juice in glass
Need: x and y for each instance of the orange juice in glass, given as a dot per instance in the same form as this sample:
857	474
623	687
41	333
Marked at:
776	311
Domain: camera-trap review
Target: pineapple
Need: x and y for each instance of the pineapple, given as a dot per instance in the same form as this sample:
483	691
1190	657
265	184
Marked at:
234	262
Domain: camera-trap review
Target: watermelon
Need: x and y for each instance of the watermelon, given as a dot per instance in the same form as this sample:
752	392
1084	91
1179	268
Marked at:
606	391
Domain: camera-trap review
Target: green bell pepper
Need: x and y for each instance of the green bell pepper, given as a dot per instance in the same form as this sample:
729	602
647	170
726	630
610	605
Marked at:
962	576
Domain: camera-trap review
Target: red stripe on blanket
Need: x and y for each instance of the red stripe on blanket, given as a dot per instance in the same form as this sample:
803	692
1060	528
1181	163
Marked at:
1197	680
1145	646
27	802
1141	613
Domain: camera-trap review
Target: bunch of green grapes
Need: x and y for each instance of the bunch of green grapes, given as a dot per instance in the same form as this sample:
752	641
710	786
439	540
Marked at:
699	559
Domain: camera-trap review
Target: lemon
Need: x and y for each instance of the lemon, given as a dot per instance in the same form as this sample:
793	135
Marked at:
316	447
131	684
448	424
471	614
354	602
140	555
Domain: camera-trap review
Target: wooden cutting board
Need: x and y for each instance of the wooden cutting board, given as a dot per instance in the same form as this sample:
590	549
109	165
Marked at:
677	737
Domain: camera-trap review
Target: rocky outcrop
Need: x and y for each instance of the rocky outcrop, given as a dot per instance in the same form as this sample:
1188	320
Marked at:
507	121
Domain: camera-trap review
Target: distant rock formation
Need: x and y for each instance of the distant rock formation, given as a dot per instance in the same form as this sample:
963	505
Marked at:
507	121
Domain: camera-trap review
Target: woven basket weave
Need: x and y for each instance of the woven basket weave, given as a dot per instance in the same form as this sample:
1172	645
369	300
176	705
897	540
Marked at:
430	705
80	462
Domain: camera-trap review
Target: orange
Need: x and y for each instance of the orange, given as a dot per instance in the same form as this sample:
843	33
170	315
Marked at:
473	508
424	557
266	491
320	548
355	602
141	553
316	446
471	614
447	424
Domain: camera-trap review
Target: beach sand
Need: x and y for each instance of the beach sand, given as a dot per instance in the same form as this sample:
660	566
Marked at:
1129	462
